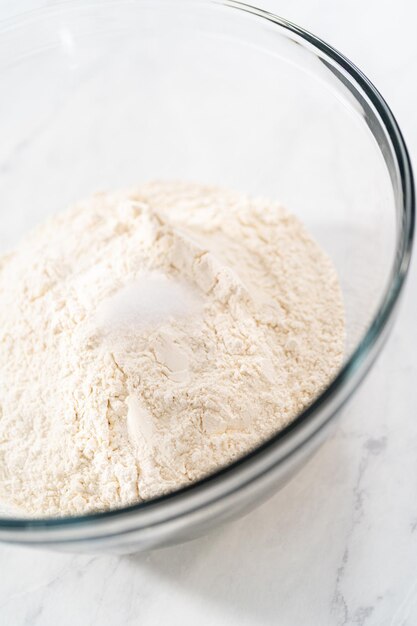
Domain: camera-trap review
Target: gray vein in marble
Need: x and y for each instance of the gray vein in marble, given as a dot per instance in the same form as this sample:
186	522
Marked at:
372	447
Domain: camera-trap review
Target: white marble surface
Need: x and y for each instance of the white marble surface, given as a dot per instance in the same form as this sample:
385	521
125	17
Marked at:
338	545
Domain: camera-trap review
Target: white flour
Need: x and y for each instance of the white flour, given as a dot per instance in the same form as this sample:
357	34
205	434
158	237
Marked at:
150	337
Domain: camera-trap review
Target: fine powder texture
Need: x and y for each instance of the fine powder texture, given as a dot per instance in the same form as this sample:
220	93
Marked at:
150	337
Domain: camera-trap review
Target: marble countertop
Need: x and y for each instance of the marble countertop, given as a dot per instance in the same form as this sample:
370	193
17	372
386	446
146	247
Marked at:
338	545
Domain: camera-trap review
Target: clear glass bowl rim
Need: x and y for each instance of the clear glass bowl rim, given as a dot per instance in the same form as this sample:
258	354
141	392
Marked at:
361	358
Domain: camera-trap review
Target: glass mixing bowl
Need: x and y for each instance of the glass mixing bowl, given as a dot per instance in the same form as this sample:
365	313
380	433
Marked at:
102	96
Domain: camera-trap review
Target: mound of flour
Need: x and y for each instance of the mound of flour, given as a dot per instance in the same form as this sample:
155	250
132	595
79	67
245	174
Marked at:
152	336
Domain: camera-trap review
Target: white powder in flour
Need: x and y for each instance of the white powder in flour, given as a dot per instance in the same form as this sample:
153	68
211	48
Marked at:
150	301
150	337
